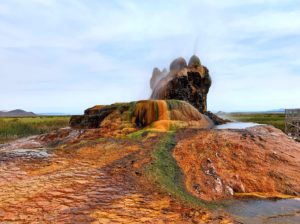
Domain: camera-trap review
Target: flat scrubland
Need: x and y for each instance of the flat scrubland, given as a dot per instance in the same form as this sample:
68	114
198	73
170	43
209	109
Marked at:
275	119
17	127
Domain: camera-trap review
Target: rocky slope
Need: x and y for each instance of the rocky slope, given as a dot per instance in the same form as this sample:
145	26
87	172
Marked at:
258	161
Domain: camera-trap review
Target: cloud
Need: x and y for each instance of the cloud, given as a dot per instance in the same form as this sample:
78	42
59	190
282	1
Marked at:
69	54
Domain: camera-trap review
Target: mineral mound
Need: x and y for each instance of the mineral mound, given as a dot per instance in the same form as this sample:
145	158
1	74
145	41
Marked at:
260	161
154	114
189	82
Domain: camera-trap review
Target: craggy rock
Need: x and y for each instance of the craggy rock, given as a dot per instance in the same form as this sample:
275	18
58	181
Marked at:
190	83
216	119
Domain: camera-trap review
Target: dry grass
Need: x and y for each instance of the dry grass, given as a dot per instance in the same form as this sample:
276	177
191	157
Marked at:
13	128
276	119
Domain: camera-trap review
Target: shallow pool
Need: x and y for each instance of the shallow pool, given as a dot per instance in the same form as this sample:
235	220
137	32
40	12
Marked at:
236	125
253	211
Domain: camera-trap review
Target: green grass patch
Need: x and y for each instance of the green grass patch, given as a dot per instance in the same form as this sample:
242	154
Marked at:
130	111
166	173
277	120
138	135
13	128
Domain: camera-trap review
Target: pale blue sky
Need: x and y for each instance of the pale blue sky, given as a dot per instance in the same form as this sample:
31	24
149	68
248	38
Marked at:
67	55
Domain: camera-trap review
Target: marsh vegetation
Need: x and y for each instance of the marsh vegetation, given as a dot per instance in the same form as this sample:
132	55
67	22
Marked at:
275	119
13	128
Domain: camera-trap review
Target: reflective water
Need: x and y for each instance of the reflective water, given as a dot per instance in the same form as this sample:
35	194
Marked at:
265	211
236	125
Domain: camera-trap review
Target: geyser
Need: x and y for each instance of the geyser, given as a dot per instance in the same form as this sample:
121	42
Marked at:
189	82
178	100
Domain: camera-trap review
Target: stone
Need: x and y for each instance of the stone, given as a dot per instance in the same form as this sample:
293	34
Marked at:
217	120
229	190
197	188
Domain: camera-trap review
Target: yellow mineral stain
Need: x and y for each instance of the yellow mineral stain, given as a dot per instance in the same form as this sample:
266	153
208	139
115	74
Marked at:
155	115
160	126
263	195
163	112
143	113
147	111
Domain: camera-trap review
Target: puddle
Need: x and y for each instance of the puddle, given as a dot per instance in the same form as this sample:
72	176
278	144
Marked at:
265	211
236	125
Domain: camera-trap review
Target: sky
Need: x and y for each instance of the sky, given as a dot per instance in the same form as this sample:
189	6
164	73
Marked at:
68	55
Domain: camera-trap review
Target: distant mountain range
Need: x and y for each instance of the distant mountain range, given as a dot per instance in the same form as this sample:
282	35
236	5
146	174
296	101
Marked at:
281	110
17	113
